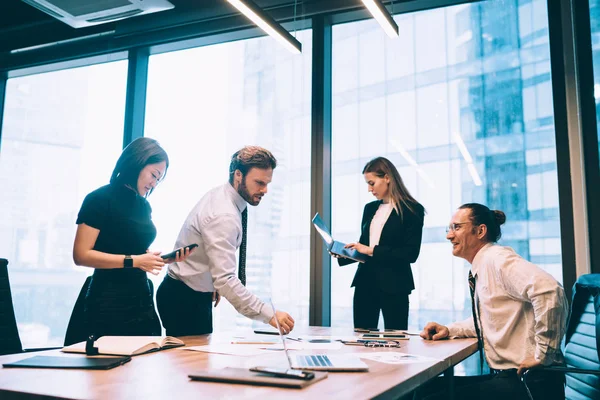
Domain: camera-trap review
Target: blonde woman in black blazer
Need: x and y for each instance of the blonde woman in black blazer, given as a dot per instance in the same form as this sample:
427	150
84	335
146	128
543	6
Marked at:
391	231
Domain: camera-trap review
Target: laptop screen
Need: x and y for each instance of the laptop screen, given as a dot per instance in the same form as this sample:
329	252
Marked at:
281	335
322	229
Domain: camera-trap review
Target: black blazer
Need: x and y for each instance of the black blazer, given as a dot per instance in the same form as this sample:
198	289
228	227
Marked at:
399	246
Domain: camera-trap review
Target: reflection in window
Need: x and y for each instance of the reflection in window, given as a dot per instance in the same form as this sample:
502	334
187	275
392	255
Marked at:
479	73
62	134
251	92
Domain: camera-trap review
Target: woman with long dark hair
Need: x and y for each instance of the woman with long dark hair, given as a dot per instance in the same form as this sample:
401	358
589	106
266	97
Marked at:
114	232
391	231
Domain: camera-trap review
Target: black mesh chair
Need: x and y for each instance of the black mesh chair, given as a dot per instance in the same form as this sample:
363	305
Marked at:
76	330
10	342
582	343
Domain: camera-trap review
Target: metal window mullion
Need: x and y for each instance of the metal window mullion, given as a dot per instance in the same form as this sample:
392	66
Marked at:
135	102
320	261
3	82
567	124
589	130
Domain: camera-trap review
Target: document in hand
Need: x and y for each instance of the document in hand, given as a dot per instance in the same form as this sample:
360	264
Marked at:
127	345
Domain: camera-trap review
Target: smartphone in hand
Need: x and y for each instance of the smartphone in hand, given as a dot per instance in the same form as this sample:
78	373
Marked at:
173	254
285	373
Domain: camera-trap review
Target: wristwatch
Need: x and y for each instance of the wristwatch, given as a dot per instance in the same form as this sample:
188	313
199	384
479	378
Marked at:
128	262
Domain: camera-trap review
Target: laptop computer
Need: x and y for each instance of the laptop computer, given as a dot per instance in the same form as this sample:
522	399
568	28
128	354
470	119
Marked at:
333	246
321	362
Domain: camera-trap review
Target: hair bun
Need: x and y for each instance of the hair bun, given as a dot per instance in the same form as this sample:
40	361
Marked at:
500	217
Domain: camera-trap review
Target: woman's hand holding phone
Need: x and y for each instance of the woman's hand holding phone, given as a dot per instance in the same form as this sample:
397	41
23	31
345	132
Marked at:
149	262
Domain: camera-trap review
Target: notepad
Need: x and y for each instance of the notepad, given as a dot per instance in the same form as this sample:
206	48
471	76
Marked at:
127	345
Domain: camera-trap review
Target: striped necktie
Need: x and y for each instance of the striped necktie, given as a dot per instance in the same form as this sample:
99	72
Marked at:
242	261
476	320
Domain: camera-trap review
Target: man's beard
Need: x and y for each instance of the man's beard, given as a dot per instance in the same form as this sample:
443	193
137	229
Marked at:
243	191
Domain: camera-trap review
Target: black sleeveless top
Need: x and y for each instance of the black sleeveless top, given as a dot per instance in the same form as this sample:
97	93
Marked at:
119	301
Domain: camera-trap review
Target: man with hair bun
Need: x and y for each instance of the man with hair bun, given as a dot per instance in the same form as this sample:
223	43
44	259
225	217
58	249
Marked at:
519	311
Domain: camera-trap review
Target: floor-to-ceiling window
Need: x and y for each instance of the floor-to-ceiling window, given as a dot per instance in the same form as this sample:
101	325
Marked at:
475	74
62	133
205	103
595	28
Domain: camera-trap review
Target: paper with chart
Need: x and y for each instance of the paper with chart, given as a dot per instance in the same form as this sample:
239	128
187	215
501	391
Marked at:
244	350
394	357
256	349
307	346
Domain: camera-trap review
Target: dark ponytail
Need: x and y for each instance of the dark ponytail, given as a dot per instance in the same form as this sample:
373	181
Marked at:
492	219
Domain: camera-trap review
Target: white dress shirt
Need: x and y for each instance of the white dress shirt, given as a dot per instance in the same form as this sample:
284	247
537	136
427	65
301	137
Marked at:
215	224
379	219
522	309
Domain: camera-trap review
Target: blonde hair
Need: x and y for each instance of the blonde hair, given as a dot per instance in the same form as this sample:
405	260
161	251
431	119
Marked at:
399	194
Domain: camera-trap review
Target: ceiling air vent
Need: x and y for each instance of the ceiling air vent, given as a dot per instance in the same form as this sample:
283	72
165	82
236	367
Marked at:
82	13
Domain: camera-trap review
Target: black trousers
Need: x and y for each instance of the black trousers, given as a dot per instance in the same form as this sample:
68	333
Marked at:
499	385
368	303
184	311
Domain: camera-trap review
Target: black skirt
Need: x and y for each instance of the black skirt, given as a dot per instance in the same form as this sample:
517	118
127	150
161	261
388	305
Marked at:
120	302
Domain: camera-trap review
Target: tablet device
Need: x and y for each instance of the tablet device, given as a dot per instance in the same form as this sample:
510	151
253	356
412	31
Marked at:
390	336
333	246
245	376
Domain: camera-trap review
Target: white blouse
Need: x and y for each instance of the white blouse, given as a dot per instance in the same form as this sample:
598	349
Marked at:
377	223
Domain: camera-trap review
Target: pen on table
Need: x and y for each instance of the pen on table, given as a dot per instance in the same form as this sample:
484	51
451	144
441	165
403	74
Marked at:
294	339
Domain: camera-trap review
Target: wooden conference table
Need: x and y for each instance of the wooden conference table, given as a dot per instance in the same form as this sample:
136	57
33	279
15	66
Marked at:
164	374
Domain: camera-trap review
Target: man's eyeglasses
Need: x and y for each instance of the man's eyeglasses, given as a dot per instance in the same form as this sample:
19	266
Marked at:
455	227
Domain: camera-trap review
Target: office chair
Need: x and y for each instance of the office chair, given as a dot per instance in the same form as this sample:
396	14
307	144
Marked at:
76	330
582	343
10	342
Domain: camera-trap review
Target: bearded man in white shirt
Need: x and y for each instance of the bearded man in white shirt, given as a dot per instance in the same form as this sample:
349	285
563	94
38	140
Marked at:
520	309
218	225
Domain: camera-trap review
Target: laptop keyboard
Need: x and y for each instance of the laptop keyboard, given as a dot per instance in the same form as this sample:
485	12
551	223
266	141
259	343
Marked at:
313	361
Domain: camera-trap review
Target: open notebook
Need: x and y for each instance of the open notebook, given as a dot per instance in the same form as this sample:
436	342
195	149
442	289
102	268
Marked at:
127	345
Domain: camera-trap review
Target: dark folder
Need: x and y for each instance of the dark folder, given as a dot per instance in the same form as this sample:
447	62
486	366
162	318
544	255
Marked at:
69	362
